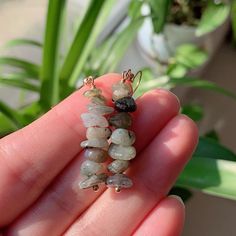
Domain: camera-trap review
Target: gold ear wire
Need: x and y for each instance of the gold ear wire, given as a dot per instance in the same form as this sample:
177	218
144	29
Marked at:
139	80
128	75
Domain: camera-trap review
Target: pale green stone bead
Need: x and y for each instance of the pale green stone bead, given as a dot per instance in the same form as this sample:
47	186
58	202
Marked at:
121	152
121	90
96	154
121	120
90	168
92	93
98	132
96	143
99	100
118	166
90	120
100	109
123	137
93	180
119	181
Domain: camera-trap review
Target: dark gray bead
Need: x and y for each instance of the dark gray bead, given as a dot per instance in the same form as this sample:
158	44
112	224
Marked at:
126	104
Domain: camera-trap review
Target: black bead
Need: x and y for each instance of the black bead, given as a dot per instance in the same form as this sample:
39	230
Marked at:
126	104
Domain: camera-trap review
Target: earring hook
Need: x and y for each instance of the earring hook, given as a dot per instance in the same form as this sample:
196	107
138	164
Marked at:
89	81
128	75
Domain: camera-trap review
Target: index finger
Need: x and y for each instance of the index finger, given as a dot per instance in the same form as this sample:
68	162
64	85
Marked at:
31	157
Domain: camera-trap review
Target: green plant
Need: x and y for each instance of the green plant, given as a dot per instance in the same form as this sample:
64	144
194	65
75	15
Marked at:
205	15
59	72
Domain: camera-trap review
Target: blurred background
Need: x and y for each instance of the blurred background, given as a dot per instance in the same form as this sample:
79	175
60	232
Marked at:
47	47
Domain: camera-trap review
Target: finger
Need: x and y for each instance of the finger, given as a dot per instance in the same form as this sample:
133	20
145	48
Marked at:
166	219
64	199
154	172
33	156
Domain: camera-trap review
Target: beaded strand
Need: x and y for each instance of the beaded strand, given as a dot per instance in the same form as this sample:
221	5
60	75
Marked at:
122	139
97	134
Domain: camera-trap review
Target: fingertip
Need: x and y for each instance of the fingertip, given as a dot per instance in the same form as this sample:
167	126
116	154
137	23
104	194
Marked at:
191	127
164	97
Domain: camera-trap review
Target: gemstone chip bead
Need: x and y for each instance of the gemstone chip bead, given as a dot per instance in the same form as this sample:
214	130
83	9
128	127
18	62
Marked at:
122	152
118	166
123	137
125	104
119	181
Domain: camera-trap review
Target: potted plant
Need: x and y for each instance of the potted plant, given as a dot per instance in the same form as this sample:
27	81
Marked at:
170	24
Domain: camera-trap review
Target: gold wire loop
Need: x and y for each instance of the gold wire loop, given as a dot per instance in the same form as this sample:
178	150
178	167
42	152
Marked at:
89	81
129	76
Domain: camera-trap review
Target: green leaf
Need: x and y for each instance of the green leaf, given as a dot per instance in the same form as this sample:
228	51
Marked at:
30	68
12	115
215	177
120	46
134	10
49	95
176	70
6	125
195	112
19	83
159	9
90	44
85	39
233	18
190	56
210	148
212	134
197	83
22	42
213	17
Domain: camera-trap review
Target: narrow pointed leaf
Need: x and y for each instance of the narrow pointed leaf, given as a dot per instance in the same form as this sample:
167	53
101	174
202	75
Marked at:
18	83
22	42
12	115
198	83
120	46
50	82
82	37
100	22
29	67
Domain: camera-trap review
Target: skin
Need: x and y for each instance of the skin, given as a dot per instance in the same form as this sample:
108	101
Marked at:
40	165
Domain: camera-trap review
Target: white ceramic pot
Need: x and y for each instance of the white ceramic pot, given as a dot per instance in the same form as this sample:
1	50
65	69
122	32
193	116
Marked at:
160	47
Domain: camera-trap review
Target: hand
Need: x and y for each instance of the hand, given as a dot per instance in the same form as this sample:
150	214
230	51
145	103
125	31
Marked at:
40	164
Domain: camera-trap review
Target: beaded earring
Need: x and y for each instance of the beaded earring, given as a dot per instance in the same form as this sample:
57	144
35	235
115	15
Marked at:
122	139
97	134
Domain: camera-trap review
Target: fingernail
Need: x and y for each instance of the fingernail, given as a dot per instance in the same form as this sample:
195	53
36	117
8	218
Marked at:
178	198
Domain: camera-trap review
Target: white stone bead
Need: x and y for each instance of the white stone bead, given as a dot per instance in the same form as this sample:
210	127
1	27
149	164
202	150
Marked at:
90	168
121	90
96	143
118	166
119	180
90	120
92	93
121	152
99	100
100	109
92	180
123	137
98	132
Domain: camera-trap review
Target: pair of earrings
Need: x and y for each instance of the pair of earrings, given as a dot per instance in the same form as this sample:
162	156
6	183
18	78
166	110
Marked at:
108	135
